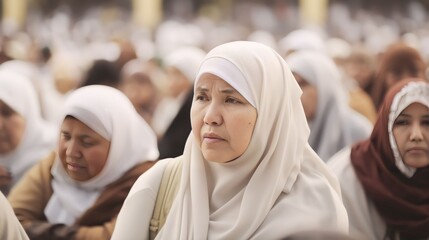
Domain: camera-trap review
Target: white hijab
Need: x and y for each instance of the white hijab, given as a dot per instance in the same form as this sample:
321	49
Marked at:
413	92
109	113
39	137
263	193
335	124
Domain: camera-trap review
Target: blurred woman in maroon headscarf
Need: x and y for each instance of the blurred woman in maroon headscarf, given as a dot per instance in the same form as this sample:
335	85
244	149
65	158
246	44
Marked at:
398	62
385	179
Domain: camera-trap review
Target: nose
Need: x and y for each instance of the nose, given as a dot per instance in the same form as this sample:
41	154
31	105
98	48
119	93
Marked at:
416	133
72	149
212	115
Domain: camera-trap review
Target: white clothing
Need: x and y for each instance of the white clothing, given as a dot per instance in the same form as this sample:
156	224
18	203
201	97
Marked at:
269	192
364	220
335	125
10	228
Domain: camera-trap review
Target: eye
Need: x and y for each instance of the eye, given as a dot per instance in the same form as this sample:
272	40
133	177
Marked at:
425	122
232	100
87	144
65	136
7	112
401	122
201	97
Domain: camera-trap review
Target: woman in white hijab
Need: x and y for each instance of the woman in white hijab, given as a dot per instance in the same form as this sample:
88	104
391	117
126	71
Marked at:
25	138
77	192
247	171
333	124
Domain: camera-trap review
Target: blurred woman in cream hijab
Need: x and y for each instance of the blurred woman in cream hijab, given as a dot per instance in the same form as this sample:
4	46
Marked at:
25	137
247	171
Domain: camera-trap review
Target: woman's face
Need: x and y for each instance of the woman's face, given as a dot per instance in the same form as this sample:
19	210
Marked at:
411	131
308	97
12	127
177	82
222	120
82	151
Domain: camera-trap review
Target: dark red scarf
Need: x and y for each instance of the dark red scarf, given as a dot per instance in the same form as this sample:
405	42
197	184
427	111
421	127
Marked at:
402	202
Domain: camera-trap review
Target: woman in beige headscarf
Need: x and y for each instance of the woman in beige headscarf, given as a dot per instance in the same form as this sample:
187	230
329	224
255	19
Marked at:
247	171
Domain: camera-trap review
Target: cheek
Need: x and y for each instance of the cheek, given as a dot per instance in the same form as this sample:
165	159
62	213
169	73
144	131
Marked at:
309	102
17	130
196	122
400	140
96	159
240	133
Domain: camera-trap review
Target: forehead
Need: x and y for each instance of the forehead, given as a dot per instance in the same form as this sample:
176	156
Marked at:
208	80
417	108
72	122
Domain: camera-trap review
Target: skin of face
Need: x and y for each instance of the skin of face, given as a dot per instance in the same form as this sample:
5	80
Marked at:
222	119
83	152
12	127
411	132
177	82
308	98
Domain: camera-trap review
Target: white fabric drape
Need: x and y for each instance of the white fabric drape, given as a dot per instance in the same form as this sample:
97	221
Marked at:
39	137
109	113
335	124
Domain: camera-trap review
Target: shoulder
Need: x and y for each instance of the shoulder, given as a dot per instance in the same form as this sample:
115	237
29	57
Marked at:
340	163
364	221
151	178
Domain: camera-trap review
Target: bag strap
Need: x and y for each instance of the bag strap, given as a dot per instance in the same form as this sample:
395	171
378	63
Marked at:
168	188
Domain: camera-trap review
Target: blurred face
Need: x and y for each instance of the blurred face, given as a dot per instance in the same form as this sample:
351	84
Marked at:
140	91
177	82
360	72
82	151
308	97
393	77
222	120
12	127
411	131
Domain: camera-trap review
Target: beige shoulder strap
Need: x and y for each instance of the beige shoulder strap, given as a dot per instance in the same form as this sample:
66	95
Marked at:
170	183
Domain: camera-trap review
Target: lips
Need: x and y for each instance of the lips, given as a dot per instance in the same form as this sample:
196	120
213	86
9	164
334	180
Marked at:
74	166
212	137
416	150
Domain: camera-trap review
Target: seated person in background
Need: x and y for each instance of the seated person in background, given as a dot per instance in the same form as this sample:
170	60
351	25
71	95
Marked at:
247	171
10	228
76	193
399	62
333	123
138	83
181	67
25	137
384	179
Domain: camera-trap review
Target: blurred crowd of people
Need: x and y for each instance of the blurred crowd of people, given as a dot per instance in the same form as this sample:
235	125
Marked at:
345	68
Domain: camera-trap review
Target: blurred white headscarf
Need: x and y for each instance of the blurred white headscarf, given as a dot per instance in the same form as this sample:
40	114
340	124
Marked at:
279	185
302	39
335	124
186	59
39	137
110	113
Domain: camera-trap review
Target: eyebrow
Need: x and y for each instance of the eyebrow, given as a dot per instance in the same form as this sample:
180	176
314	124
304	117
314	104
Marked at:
409	115
226	90
81	136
